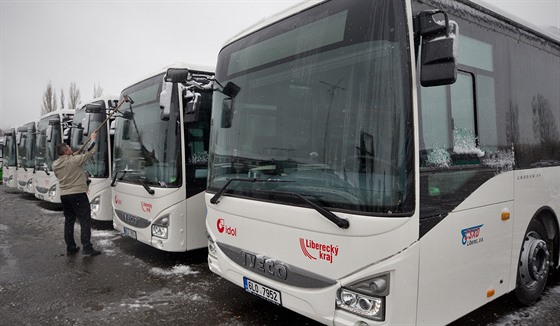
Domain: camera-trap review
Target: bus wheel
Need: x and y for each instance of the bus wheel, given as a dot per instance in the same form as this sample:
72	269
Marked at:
533	267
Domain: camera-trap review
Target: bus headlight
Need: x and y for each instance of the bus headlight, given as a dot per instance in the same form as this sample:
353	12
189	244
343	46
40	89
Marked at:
211	245
94	204
160	227
52	191
10	179
30	184
365	298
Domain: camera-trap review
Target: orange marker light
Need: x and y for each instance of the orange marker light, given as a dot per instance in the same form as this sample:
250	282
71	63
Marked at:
505	216
490	293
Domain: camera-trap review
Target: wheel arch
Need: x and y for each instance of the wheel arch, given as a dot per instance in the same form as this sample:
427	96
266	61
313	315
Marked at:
550	221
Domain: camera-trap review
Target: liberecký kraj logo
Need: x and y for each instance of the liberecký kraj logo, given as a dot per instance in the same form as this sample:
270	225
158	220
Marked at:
471	236
316	250
223	228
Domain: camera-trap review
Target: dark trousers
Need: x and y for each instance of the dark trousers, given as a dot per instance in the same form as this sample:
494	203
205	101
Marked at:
76	206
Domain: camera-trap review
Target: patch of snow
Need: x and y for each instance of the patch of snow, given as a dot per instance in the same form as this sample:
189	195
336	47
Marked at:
176	270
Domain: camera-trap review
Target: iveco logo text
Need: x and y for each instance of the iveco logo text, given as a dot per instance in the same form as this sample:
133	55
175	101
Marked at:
222	227
265	265
130	219
325	251
471	235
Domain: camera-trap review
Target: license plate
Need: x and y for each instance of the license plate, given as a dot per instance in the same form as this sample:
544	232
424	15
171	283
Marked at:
40	196
262	291
21	189
130	233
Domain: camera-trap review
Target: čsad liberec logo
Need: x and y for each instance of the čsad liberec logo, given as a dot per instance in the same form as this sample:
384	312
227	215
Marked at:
325	251
471	235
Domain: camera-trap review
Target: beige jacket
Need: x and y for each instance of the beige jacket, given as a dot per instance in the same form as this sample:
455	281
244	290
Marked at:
70	173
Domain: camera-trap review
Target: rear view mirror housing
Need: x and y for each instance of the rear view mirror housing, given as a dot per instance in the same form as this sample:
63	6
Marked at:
165	100
177	75
439	48
52	123
172	76
192	106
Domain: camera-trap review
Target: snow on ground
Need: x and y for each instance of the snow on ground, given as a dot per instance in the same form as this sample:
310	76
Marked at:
176	270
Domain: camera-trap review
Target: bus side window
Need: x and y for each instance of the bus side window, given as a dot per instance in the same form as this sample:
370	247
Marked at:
448	124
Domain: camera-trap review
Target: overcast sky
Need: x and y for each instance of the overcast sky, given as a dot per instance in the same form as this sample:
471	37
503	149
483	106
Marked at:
114	43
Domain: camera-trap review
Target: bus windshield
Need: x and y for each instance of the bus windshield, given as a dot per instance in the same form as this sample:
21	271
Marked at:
10	157
147	149
98	166
323	111
26	149
46	150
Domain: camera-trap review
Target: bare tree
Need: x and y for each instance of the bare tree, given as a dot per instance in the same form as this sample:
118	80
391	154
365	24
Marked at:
74	96
544	125
62	98
97	90
49	100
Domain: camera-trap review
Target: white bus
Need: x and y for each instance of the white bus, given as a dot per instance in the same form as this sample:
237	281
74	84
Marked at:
343	187
25	139
52	129
88	117
161	156
9	166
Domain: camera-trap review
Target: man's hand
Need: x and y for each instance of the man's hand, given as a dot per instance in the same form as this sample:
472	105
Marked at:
94	136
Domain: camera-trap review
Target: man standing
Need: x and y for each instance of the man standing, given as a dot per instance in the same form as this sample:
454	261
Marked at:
72	180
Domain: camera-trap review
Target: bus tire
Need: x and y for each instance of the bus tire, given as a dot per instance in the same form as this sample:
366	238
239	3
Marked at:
533	267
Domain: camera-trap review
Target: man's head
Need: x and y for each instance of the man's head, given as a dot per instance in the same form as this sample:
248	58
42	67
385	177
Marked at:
63	149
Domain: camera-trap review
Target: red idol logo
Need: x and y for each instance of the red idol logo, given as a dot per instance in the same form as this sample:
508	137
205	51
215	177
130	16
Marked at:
117	200
222	227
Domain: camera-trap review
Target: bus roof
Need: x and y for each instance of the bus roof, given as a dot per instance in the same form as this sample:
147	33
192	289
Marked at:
514	20
190	66
480	5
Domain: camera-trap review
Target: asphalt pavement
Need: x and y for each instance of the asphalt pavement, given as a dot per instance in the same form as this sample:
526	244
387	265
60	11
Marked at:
134	284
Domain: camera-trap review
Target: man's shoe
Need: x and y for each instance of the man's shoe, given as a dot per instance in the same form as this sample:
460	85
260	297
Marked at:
72	250
90	252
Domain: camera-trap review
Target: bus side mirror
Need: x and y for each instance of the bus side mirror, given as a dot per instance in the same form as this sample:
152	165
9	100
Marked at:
165	100
49	133
50	129
192	106
85	125
439	48
227	112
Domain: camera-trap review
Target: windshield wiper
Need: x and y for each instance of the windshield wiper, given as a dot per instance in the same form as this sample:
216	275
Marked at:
215	200
340	222
145	185
114	181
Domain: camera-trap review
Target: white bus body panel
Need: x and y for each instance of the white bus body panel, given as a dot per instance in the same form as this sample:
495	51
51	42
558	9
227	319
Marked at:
101	187
43	183
282	232
534	189
9	176
23	179
463	257
186	225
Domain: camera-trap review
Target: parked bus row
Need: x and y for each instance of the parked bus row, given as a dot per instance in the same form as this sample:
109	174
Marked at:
358	162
